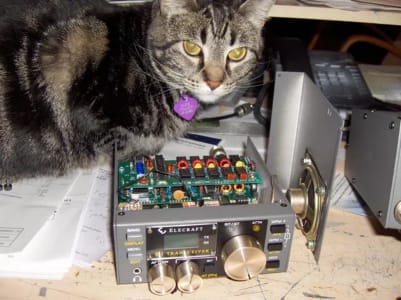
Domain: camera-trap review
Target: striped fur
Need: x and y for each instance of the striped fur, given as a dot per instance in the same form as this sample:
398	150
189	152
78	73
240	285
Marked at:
77	75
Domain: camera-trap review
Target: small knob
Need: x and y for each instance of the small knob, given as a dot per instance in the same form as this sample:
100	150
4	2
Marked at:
243	257
161	279
188	278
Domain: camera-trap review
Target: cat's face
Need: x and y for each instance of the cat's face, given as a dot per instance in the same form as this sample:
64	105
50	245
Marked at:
209	51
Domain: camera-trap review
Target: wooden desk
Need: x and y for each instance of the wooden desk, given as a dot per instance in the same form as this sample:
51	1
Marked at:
291	9
359	261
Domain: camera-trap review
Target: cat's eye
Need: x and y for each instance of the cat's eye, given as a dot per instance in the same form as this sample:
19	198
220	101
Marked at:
192	48
237	54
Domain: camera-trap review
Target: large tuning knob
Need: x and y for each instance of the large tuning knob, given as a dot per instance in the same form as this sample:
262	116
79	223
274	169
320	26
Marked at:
243	257
188	278
161	279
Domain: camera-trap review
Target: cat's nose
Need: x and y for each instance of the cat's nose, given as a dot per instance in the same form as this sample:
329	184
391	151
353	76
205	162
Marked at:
214	75
213	84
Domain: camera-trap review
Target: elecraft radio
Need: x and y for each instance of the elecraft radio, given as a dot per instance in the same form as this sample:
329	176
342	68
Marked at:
179	222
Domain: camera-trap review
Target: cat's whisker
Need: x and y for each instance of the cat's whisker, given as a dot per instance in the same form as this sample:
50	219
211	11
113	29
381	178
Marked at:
251	85
148	53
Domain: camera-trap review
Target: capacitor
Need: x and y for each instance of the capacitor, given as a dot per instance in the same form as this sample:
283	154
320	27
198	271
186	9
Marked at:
139	168
143	180
149	164
178	195
170	168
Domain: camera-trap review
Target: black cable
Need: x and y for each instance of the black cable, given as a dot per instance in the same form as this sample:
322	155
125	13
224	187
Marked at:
239	111
257	111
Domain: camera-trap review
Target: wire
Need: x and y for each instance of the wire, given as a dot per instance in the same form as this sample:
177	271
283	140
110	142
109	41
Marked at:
239	111
260	98
372	40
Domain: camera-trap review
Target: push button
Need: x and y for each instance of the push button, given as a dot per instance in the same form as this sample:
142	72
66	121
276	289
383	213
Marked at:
134	256
209	267
134	237
272	264
274	247
277	228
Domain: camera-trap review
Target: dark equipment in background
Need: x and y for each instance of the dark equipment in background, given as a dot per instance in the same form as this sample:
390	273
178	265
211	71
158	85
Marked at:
373	163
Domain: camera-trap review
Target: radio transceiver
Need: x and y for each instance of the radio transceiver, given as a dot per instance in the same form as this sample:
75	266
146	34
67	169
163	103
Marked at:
178	222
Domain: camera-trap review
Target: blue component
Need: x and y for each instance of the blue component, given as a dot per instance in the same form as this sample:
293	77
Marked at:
139	168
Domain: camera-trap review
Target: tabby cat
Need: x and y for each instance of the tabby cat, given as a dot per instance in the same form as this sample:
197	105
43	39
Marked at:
77	75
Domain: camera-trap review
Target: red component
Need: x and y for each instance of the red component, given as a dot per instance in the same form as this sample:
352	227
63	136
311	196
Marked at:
211	163
230	176
224	162
170	168
182	164
149	164
143	180
197	164
243	176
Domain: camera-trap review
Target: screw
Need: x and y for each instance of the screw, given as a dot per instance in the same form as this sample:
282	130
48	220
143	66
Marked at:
306	161
379	213
310	245
329	112
365	116
392	125
121	213
321	190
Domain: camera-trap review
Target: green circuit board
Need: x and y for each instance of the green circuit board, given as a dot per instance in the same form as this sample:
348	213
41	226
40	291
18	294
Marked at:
187	182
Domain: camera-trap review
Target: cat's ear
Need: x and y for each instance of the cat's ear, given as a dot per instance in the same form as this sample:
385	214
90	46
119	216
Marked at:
256	11
176	7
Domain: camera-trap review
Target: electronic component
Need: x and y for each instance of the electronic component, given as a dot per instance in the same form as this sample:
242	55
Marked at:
173	182
198	218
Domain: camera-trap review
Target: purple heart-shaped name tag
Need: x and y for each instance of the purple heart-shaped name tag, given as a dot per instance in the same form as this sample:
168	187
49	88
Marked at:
186	107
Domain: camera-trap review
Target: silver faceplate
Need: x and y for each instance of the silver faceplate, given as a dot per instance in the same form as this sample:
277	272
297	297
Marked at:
303	120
